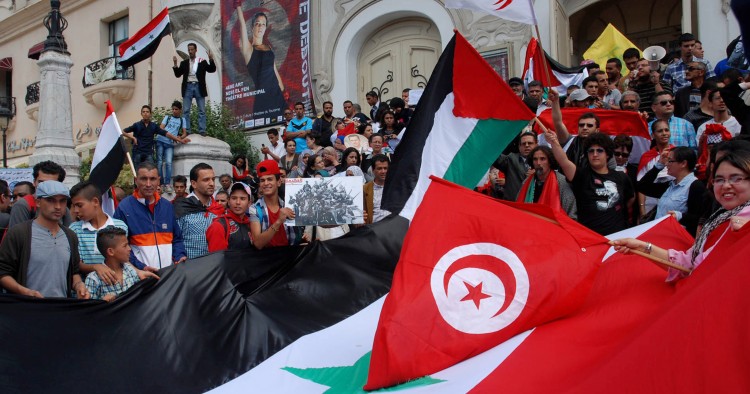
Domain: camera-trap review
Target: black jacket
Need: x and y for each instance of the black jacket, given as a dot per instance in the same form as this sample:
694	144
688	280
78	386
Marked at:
203	67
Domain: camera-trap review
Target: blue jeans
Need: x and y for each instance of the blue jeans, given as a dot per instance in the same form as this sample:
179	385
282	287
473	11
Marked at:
193	90
164	155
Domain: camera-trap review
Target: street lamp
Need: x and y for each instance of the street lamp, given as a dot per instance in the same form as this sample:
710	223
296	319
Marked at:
7	112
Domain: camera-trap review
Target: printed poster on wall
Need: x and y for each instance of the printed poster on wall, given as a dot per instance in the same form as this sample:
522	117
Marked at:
325	201
266	67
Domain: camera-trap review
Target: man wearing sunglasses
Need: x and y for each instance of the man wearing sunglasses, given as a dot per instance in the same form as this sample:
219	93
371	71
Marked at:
603	196
682	131
689	97
515	166
646	84
588	123
675	75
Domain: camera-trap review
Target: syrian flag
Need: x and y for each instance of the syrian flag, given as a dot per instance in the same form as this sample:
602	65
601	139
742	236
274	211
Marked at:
143	43
557	76
482	285
459	129
109	156
513	10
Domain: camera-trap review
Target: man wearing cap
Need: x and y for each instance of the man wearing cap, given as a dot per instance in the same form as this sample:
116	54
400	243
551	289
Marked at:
39	258
267	222
580	98
232	230
24	209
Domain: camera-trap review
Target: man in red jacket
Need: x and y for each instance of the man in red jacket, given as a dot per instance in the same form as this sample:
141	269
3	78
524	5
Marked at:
232	230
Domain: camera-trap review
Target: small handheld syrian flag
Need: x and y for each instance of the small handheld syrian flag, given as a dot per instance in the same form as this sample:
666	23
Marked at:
556	76
109	156
143	43
512	10
466	117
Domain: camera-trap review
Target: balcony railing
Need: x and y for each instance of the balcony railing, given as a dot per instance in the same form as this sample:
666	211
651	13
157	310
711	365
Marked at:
32	93
106	70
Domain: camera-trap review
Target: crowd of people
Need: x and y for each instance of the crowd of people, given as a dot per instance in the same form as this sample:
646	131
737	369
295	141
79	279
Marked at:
59	242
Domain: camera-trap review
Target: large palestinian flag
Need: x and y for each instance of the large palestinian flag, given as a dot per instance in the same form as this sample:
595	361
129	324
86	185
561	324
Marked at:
467	115
541	67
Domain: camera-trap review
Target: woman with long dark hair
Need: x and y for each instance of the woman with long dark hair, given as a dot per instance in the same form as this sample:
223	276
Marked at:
261	64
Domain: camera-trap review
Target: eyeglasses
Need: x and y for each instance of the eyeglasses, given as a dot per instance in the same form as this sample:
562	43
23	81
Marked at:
732	180
663	103
596	150
622	154
591	125
526	143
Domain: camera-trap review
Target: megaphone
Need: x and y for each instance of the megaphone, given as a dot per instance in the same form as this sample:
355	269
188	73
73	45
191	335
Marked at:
653	54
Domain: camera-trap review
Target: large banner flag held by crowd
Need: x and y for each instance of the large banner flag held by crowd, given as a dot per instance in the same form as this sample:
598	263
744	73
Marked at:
142	45
556	75
485	282
512	10
459	129
610	44
265	59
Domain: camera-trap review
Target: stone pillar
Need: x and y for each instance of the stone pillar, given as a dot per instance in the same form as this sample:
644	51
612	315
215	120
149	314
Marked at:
209	150
54	140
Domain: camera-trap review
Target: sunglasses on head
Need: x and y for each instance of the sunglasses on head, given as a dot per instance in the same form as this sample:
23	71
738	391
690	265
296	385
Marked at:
665	102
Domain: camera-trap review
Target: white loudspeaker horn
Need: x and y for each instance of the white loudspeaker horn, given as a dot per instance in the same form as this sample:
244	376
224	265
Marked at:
653	54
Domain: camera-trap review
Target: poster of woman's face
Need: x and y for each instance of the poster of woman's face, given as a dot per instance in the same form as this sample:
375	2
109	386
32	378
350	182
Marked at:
265	59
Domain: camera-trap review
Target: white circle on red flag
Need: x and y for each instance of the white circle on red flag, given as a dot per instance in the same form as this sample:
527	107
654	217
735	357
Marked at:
471	301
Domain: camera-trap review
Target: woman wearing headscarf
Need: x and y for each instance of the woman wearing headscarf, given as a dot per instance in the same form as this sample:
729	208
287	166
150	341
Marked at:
731	187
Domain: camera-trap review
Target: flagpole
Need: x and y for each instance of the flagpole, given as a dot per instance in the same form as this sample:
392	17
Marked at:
130	161
544	55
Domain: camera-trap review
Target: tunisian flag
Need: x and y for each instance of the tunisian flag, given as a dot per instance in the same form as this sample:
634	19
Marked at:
483	283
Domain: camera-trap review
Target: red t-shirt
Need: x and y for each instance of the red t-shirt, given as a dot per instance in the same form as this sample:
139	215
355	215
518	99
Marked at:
279	239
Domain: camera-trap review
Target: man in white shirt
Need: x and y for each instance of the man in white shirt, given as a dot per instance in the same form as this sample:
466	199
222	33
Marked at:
373	191
276	149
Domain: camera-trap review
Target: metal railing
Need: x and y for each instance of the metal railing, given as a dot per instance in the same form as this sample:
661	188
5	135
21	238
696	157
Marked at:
32	93
106	70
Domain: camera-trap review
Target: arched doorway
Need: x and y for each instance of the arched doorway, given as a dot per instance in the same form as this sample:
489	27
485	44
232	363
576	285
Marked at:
644	22
397	56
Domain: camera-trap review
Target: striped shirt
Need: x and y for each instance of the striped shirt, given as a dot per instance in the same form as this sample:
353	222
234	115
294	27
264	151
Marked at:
99	289
86	234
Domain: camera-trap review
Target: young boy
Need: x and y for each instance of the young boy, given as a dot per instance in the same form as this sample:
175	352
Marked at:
112	242
86	207
175	125
180	187
232	230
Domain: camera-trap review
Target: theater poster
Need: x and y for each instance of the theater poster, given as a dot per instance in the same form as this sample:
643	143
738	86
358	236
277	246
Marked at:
266	52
